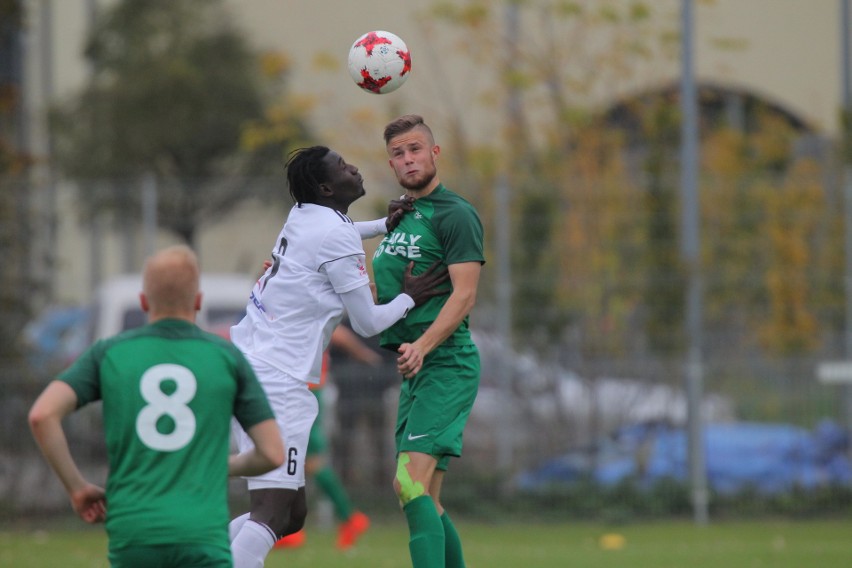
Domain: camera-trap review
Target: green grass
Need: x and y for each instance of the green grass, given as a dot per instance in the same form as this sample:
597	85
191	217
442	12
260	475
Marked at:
756	544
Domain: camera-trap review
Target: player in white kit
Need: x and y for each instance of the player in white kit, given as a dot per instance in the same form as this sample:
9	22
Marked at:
318	271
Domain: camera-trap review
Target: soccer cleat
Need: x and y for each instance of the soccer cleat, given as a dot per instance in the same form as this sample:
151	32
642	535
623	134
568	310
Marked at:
294	540
351	529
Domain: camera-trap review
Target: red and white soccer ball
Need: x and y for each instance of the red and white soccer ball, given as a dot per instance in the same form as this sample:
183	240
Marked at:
379	62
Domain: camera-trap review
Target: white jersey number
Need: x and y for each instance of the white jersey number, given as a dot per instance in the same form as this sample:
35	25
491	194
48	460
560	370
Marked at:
172	405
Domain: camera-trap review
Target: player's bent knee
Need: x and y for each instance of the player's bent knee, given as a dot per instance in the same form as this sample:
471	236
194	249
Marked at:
283	511
406	488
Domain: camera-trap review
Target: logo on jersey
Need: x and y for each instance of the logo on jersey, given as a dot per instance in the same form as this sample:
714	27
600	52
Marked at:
257	303
362	269
400	244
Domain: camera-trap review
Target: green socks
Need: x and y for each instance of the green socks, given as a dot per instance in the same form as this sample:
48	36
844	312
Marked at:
426	543
452	544
331	486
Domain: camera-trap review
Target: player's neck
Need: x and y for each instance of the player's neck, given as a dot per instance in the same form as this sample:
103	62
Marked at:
424	191
185	316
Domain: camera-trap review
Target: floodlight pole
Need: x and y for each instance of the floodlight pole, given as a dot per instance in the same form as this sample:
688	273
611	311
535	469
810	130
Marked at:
846	138
149	213
691	256
503	228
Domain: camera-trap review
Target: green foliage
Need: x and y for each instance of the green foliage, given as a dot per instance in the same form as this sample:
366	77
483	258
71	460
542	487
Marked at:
665	288
173	86
628	501
596	195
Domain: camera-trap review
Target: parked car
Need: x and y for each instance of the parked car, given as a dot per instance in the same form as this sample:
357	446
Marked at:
116	303
57	336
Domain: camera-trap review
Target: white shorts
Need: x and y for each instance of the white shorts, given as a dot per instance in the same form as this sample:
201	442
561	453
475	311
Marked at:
295	408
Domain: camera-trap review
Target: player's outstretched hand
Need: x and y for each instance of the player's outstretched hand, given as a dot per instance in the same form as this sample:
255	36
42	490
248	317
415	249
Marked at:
89	502
396	209
425	286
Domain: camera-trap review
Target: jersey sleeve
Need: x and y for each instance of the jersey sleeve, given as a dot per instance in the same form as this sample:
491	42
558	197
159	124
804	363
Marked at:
343	260
370	229
83	376
461	235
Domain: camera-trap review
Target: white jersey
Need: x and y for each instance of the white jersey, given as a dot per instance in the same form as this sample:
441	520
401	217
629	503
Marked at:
295	305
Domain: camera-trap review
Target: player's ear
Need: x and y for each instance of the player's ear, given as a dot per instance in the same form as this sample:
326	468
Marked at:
436	151
324	190
197	305
143	302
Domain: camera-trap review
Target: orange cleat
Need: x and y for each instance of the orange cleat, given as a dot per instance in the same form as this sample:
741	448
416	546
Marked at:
351	529
294	540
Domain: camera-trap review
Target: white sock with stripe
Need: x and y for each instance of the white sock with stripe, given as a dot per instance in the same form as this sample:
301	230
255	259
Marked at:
236	525
251	545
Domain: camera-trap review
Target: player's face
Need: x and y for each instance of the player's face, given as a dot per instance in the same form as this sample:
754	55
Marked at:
412	157
343	179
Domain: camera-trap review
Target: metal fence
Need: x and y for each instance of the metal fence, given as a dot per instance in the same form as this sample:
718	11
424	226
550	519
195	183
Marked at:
556	424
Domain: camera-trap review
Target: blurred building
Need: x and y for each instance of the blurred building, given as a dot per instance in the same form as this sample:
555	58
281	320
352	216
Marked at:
785	52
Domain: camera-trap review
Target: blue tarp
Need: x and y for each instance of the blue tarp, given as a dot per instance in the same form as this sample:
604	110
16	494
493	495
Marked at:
769	458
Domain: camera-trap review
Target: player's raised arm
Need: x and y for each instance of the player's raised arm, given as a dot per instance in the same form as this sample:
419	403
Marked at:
368	319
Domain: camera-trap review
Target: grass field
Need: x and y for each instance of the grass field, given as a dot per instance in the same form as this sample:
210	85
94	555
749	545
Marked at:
755	544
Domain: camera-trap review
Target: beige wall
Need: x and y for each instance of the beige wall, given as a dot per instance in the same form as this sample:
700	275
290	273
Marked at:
784	50
788	52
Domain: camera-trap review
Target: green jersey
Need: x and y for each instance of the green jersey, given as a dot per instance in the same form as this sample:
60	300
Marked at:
443	227
169	390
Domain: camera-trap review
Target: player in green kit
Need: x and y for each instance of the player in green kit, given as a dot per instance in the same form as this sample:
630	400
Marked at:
169	391
438	359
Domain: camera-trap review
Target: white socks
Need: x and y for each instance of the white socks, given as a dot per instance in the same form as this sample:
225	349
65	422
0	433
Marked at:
250	543
236	525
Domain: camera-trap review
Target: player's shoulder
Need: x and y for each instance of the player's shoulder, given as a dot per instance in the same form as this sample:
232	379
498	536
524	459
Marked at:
316	215
450	207
446	197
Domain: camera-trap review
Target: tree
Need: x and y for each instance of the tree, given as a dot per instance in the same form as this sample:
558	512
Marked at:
571	187
173	86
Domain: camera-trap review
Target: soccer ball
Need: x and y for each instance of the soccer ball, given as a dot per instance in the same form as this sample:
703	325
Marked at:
379	62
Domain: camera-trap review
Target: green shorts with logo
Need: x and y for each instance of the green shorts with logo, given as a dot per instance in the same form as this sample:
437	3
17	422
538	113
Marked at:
434	405
184	555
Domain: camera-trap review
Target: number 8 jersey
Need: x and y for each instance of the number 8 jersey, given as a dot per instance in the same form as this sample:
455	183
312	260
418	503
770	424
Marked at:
169	391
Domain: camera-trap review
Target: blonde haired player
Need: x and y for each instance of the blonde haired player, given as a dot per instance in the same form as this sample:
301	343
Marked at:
168	391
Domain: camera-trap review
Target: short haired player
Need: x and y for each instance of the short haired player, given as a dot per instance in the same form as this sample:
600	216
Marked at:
438	359
168	391
318	271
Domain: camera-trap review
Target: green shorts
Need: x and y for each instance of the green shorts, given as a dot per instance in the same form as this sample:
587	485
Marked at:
317	441
172	556
435	404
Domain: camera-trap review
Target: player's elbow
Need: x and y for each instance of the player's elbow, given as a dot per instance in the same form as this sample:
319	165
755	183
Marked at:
36	419
39	418
364	329
275	456
269	452
466	300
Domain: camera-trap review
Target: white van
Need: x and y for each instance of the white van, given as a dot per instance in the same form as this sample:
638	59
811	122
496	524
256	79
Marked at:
115	306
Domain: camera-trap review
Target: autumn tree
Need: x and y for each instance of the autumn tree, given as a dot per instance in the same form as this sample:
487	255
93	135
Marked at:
173	87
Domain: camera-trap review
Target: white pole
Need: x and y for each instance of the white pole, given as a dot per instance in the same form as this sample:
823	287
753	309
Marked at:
692	260
149	213
503	231
846	140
